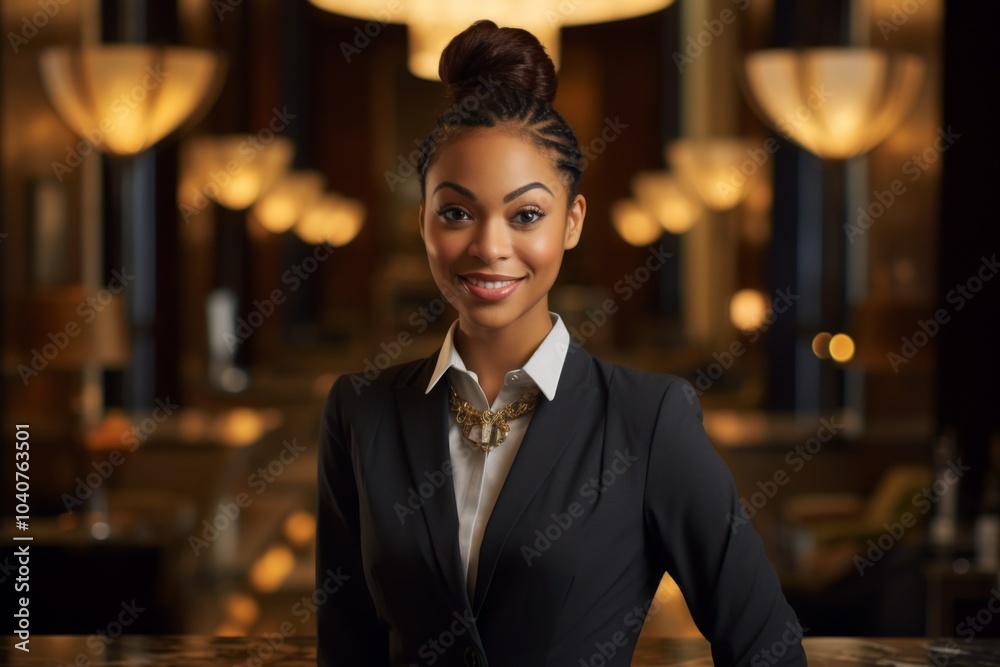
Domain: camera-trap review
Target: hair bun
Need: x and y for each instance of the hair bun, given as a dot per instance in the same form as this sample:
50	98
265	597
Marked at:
511	57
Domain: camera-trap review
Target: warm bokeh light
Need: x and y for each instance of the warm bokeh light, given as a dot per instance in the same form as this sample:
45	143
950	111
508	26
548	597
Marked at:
159	87
300	528
634	224
747	309
239	427
821	344
234	170
834	102
842	348
721	171
242	610
334	219
282	206
663	198
269	571
431	24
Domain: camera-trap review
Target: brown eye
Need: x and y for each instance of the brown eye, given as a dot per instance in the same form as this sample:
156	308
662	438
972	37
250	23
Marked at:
453	213
528	216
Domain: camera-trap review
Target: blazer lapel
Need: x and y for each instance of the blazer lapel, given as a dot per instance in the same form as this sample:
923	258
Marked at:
551	428
423	423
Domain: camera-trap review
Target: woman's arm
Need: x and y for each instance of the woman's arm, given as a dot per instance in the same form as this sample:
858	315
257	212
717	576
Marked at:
694	518
347	628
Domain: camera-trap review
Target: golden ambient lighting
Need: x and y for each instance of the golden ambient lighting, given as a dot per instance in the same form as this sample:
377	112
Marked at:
634	224
664	199
122	99
242	610
234	170
269	572
842	348
747	309
334	219
282	206
300	527
432	23
821	344
834	102
720	171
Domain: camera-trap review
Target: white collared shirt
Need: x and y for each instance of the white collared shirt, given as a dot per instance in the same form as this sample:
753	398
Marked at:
478	476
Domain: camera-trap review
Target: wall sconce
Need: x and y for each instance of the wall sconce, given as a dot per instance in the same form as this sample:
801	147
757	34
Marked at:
334	219
711	169
834	102
233	170
125	98
284	204
432	24
664	199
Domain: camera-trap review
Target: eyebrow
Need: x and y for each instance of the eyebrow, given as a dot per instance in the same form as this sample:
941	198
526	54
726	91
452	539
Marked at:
509	197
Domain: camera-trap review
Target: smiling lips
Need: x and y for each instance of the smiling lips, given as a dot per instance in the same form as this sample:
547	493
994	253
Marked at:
490	287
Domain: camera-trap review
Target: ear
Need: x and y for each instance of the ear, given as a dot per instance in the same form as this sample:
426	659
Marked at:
574	222
420	218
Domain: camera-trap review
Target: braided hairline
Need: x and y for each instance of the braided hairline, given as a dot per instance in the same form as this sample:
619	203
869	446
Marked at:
509	106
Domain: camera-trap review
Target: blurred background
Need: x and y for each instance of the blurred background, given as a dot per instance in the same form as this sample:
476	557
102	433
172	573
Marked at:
210	212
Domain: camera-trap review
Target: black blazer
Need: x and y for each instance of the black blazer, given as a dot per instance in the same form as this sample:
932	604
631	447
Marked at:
615	482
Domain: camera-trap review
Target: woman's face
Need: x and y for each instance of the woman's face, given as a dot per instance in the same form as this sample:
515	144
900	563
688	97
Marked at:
495	224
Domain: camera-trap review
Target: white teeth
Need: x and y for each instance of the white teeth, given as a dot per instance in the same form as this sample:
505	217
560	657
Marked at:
491	285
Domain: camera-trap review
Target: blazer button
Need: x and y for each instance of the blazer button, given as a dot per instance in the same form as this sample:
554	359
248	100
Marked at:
472	657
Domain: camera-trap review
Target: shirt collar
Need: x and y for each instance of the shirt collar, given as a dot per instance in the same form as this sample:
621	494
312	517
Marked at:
544	367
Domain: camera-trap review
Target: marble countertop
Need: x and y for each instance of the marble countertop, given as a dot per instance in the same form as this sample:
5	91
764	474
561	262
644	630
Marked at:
299	651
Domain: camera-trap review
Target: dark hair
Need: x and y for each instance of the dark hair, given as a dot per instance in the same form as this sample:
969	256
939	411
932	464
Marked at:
502	76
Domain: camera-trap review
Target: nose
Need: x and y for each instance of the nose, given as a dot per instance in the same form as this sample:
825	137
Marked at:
492	240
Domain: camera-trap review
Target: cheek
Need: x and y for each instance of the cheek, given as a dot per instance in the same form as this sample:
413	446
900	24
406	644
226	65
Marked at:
543	252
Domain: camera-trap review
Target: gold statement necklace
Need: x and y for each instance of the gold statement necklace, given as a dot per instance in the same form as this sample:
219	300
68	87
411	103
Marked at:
488	429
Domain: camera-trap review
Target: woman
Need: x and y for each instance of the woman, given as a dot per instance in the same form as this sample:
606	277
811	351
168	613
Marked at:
512	500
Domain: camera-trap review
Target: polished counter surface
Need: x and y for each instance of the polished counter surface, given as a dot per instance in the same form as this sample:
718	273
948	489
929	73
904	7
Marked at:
299	651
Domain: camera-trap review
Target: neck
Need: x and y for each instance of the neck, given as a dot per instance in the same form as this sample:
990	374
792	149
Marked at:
491	353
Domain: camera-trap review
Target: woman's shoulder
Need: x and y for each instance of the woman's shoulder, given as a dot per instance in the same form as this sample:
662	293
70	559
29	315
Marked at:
624	379
354	391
